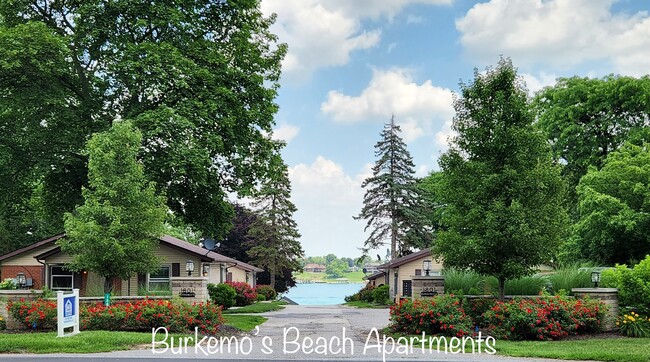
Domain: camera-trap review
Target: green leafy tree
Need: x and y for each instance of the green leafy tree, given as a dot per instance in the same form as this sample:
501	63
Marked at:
275	231
115	231
336	268
392	204
433	199
198	78
614	208
330	258
586	119
502	189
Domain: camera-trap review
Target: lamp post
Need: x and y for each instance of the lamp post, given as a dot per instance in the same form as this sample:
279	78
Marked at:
189	267
426	266
595	278
21	280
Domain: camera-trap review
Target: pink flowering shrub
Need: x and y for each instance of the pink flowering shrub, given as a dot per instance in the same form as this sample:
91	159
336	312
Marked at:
245	293
441	315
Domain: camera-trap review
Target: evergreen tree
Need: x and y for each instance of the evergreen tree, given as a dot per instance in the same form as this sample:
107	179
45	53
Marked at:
275	231
502	191
392	204
115	231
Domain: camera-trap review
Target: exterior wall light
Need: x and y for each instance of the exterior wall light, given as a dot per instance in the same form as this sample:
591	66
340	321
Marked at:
189	267
426	266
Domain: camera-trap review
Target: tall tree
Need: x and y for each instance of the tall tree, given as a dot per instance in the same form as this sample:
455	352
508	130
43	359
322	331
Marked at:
586	119
115	231
502	189
275	231
392	204
614	208
198	78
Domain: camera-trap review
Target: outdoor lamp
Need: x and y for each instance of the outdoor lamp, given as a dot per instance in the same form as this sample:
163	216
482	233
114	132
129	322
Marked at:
189	267
20	279
426	265
595	278
206	270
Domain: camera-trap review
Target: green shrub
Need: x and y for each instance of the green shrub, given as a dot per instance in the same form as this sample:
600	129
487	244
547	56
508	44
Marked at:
261	298
380	295
467	282
441	315
267	291
363	295
36	315
633	285
475	308
222	294
544	318
464	282
8	284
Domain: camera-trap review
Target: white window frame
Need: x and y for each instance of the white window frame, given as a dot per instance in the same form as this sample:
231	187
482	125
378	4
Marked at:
160	280
52	275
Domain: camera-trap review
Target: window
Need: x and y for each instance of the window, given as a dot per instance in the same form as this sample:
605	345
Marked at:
418	272
159	280
61	278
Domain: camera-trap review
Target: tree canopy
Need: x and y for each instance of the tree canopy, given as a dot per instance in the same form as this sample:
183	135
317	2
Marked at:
614	208
115	231
198	78
392	204
501	189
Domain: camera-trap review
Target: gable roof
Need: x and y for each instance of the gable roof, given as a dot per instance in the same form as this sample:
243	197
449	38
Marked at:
32	246
314	265
406	259
375	275
204	254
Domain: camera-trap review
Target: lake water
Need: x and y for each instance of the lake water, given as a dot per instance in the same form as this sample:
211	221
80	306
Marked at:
321	293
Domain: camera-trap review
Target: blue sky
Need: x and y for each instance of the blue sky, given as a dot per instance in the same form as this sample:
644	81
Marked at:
353	63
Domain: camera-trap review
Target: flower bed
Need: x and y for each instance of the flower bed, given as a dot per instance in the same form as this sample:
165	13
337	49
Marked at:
139	316
544	318
442	315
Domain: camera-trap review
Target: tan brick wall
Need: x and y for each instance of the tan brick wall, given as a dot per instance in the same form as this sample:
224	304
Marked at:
31	271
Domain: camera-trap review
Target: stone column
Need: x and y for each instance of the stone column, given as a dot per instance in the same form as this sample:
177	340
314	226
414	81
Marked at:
427	286
609	296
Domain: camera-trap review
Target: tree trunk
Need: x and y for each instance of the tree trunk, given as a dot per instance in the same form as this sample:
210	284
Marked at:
502	289
272	275
108	285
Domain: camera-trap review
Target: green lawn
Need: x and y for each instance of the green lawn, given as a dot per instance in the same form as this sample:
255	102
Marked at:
84	342
352	277
257	308
361	304
599	349
244	322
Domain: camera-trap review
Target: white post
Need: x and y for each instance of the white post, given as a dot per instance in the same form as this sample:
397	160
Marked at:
67	312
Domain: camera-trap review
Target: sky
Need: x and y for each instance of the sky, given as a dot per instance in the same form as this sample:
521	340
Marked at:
352	64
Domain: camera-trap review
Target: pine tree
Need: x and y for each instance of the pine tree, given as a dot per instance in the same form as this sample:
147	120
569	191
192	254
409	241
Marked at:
392	204
275	232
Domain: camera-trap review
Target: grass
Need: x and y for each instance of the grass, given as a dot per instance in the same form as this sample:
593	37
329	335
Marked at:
351	277
243	322
569	277
258	308
84	342
362	304
599	349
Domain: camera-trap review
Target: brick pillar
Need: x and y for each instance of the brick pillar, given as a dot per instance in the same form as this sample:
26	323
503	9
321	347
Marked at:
609	296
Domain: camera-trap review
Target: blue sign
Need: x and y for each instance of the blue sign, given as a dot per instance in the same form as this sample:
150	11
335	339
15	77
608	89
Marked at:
68	308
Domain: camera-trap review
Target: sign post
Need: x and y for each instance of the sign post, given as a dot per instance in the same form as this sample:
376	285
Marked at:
67	311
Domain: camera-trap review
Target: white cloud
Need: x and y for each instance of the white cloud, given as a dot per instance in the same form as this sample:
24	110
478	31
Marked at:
418	108
536	83
285	132
327	199
558	33
414	19
323	33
